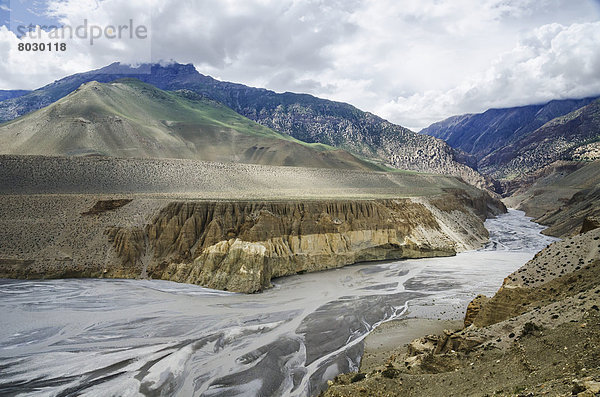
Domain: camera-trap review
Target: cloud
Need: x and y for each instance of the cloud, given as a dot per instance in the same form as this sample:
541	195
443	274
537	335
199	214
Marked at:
411	61
32	69
552	62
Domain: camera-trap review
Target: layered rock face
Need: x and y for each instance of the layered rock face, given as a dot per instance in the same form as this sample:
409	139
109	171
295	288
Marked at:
241	245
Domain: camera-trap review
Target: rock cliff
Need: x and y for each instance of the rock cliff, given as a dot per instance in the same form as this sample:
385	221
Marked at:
241	245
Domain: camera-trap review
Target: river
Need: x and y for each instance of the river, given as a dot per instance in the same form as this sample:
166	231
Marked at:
159	338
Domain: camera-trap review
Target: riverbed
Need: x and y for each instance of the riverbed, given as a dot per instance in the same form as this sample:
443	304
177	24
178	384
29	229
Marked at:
158	338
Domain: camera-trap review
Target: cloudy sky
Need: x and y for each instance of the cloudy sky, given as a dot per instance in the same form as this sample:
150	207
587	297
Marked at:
411	61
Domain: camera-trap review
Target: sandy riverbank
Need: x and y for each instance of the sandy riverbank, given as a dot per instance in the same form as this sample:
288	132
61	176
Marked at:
392	337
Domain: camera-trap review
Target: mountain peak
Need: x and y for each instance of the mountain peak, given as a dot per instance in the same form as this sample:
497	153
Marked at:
148	68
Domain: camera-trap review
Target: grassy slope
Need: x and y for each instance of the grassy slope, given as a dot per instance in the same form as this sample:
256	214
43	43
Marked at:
131	119
302	116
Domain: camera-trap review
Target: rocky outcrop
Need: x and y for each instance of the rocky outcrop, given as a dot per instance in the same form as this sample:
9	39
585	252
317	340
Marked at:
106	205
241	246
590	223
474	308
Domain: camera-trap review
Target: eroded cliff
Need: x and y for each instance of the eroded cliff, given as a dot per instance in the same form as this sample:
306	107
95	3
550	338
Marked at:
241	245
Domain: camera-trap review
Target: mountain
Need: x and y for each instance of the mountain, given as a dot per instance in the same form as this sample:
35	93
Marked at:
304	117
483	133
563	197
128	118
575	136
8	94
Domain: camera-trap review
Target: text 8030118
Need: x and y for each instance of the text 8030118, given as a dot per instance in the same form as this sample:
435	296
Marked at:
42	47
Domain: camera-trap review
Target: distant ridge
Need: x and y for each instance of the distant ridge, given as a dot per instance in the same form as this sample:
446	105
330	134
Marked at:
482	133
9	94
574	136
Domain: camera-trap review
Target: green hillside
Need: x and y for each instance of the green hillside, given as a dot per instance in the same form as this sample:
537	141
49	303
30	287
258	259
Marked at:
128	118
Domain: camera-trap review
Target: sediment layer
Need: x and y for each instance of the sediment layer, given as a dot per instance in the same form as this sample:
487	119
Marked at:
231	245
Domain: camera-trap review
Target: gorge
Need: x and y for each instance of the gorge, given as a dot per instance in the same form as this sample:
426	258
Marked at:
155	337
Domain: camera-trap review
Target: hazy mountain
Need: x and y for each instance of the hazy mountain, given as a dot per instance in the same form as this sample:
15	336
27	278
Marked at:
575	136
8	94
128	118
481	134
301	116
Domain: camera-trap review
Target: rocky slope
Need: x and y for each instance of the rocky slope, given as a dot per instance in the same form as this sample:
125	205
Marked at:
307	118
9	94
574	136
196	227
132	119
483	133
562	196
537	336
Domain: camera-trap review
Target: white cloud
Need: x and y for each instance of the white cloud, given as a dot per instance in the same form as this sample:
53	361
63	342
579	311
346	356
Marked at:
32	69
552	62
411	61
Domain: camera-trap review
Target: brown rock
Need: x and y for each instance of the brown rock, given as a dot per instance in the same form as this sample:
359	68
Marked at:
474	308
590	223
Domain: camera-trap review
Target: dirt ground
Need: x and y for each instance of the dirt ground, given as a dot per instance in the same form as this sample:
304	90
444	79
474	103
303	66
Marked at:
533	339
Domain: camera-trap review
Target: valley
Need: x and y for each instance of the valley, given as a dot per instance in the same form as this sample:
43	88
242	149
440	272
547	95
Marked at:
117	182
223	226
152	337
537	335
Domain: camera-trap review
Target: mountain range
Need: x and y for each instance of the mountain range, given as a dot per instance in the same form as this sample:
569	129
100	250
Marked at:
510	144
128	118
301	116
545	158
574	136
482	133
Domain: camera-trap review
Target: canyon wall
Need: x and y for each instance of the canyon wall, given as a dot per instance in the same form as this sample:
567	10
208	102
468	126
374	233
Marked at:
241	245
